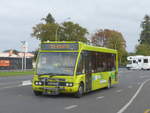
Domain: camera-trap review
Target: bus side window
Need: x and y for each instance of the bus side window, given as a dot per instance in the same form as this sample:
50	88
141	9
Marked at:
93	62
81	66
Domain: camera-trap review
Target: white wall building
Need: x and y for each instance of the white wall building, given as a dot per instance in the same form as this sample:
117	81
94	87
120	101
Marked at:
19	55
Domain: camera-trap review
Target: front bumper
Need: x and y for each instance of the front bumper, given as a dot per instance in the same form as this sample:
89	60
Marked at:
55	90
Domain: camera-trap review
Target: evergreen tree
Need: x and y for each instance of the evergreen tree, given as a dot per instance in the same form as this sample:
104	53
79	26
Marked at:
145	33
144	47
49	19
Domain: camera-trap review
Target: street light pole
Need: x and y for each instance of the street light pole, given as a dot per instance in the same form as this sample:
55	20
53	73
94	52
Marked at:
56	33
22	46
24	50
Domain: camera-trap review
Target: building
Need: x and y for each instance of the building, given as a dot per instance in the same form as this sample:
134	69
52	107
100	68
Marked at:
18	55
13	60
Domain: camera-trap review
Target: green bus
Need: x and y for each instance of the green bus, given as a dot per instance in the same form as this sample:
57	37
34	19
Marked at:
74	67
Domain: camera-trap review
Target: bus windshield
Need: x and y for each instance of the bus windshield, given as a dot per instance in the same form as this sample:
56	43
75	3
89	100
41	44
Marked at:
56	63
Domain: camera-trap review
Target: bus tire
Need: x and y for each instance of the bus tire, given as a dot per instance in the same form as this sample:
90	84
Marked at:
109	83
80	91
37	93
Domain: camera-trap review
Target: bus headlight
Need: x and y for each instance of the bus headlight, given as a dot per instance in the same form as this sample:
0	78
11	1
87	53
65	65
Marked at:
38	83
69	84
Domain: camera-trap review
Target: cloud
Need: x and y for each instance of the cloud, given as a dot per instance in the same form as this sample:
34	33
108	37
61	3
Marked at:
19	16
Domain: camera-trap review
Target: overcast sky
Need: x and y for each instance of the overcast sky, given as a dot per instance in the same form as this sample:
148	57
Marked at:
17	17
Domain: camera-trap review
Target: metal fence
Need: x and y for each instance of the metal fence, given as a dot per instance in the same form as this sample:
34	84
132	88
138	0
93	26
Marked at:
8	63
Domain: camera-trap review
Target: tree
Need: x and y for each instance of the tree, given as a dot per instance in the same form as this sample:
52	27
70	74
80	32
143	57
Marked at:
100	37
111	39
70	31
116	41
45	32
35	54
49	19
144	46
145	33
52	31
143	49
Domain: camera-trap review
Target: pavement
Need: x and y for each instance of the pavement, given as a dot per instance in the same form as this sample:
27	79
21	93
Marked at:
131	95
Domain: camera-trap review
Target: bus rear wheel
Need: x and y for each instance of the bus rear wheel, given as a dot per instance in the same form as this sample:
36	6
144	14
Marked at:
80	91
37	93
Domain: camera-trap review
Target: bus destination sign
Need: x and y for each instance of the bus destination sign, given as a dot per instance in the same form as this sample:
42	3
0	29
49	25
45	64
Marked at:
59	46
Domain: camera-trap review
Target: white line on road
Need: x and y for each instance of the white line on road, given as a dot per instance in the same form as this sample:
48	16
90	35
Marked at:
70	107
101	97
134	96
18	84
120	90
26	83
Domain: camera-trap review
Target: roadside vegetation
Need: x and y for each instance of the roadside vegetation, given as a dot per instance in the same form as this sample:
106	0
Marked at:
143	48
15	73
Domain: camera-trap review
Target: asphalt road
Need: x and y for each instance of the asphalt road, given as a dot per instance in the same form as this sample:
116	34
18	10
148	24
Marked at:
131	95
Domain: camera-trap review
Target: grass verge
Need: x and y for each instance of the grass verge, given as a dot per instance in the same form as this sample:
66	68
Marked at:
15	73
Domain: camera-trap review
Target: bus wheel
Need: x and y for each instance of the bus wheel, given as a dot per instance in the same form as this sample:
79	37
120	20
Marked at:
80	91
37	93
109	83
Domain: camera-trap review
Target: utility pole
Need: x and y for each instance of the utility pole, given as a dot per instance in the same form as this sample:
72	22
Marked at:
24	50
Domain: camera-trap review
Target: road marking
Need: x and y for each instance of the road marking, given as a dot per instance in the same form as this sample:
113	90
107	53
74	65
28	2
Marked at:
26	83
101	97
134	96
130	87
120	90
70	107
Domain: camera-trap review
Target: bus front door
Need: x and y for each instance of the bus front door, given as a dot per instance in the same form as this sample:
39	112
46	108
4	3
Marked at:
88	71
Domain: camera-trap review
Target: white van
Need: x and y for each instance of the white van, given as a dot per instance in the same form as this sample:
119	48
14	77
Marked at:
146	63
135	62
